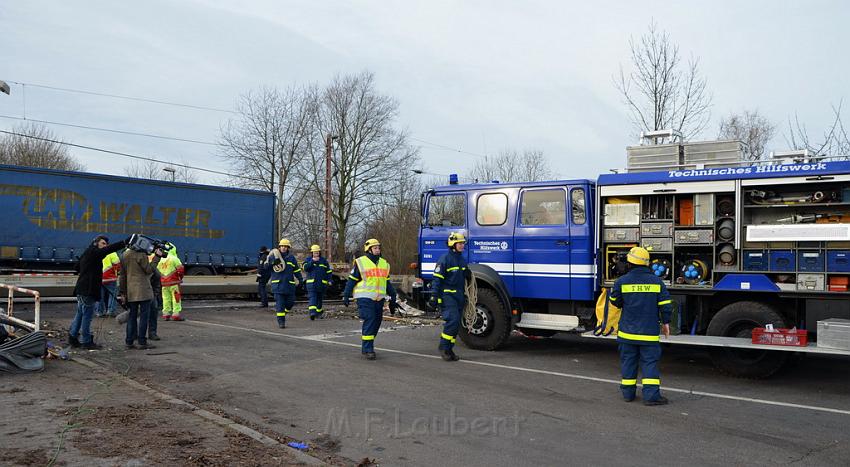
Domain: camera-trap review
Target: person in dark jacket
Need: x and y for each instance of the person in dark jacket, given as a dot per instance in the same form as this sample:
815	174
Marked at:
264	273
318	277
644	300
136	291
90	280
156	303
449	287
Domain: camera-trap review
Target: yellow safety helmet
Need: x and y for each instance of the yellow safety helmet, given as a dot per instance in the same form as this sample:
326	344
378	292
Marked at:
284	242
315	249
639	256
456	237
370	243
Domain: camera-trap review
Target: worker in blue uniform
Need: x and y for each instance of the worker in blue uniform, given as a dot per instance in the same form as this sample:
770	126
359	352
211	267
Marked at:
647	308
285	271
318	277
369	284
449	293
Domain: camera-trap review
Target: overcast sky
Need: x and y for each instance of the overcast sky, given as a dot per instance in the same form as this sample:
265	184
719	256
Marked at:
475	75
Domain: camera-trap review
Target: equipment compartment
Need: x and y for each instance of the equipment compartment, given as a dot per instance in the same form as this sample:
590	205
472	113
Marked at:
630	234
656	229
657	244
694	237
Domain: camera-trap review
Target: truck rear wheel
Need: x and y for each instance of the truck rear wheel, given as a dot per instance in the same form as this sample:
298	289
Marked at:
492	325
738	320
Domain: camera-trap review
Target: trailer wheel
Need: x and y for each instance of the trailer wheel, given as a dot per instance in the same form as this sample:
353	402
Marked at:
199	271
738	320
492	325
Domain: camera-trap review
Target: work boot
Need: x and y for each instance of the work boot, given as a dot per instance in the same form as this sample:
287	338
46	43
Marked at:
660	401
91	346
154	338
166	317
281	325
448	355
370	355
312	317
73	341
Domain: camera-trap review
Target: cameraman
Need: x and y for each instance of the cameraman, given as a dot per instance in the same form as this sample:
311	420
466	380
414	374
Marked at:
137	293
87	290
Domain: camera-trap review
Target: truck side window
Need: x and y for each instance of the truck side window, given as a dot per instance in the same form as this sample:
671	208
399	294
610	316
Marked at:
544	207
579	210
492	209
446	211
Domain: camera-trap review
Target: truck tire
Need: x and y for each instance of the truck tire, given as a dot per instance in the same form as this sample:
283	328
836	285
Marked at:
738	320
492	325
199	271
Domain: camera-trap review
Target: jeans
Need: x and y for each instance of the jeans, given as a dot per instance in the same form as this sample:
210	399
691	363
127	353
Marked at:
108	299
137	322
82	319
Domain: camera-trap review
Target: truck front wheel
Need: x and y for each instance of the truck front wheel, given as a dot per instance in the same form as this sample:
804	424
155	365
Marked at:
492	324
738	320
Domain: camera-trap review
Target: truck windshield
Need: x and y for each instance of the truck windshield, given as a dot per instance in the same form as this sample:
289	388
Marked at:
446	211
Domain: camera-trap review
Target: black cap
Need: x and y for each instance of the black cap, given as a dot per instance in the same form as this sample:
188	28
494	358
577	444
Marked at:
264	249
99	238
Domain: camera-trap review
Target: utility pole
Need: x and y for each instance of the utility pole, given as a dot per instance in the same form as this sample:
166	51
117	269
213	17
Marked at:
329	147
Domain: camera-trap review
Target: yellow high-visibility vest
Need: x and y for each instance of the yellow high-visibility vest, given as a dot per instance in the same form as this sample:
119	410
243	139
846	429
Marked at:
373	278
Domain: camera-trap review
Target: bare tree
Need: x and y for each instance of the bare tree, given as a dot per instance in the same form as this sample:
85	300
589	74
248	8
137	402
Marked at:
270	142
371	155
834	142
510	165
660	91
156	171
34	145
396	223
752	128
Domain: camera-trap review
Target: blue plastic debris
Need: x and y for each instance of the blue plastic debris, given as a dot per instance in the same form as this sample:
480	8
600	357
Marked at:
297	445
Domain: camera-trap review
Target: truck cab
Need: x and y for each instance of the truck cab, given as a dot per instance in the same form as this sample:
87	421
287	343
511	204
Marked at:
530	245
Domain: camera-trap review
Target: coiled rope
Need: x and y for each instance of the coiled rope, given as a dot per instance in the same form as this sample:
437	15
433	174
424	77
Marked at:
471	303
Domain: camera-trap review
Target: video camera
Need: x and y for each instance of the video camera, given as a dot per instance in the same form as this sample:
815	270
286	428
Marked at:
147	244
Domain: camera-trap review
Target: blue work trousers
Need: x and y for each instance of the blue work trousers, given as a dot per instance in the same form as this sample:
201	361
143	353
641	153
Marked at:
137	322
372	313
647	357
283	304
452	309
315	296
262	291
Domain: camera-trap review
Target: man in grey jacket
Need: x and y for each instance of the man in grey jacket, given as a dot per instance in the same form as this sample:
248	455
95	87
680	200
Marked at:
136	291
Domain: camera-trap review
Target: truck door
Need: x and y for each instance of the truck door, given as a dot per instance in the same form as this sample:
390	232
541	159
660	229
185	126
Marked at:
582	243
542	239
444	213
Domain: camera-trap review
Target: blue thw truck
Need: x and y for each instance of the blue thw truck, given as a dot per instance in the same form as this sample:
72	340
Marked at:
51	216
739	247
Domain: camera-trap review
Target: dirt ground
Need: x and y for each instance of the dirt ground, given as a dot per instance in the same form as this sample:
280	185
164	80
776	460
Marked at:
73	415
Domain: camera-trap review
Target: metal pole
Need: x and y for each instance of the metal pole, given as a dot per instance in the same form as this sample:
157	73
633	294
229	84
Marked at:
328	160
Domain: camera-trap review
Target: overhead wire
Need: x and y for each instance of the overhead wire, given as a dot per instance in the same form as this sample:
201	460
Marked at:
111	130
124	154
131	98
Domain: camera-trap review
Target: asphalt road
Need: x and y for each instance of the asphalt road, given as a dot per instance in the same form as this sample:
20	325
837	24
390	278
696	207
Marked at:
539	402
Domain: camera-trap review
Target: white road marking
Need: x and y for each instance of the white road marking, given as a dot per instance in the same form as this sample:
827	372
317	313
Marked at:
542	372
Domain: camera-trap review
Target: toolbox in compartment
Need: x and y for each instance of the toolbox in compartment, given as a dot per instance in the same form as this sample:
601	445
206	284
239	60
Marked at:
838	261
656	229
626	234
657	244
810	261
834	333
621	213
781	260
694	236
838	283
755	260
810	282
